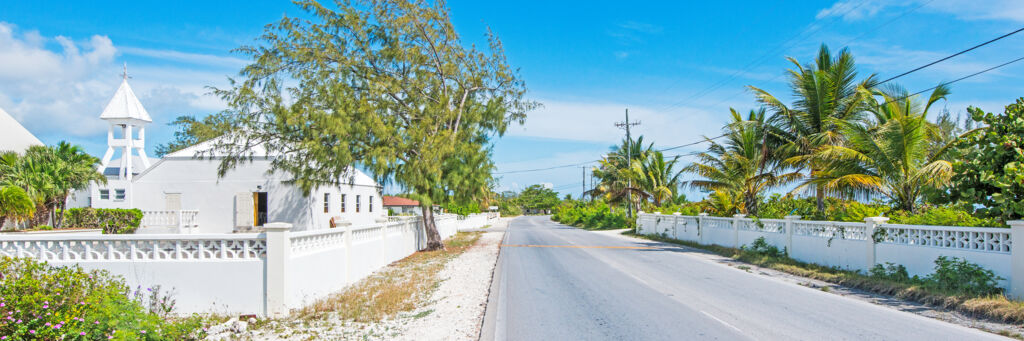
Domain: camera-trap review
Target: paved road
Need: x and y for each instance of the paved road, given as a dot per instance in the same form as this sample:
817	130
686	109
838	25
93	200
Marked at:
668	293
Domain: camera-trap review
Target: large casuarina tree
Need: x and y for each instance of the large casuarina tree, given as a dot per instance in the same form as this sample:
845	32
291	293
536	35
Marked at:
385	85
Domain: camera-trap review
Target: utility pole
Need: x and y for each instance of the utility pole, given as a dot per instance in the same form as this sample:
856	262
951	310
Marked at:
592	186
583	170
629	160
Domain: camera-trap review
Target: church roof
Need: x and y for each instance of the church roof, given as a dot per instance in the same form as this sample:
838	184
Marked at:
13	136
124	105
209	150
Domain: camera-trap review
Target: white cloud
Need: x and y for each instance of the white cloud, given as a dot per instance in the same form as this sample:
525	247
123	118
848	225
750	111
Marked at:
594	121
853	10
191	58
57	86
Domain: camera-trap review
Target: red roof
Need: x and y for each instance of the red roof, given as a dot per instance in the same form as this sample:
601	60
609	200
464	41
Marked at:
399	201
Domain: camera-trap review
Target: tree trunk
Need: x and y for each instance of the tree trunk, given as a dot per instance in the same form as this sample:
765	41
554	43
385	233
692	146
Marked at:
430	227
821	199
41	216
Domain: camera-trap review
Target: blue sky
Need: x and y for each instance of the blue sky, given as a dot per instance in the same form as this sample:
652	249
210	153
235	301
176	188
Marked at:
677	65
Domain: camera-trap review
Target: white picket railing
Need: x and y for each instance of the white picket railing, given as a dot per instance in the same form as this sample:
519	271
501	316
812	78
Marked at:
857	245
64	248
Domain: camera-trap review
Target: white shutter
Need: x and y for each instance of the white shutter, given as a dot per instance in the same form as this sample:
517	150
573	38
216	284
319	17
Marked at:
244	210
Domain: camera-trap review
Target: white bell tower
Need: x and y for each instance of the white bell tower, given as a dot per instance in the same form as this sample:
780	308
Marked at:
126	116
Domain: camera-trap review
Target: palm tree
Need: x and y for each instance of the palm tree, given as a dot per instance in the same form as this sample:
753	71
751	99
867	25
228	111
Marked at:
826	97
77	170
48	175
658	178
15	204
619	176
744	166
892	156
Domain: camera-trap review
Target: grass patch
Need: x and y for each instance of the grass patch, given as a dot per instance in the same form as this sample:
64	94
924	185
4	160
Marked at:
423	314
994	307
398	287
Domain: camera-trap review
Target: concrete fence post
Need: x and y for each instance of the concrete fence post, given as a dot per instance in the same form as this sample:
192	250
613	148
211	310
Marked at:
789	233
348	253
279	250
1016	259
700	227
736	219
383	249
181	223
870	228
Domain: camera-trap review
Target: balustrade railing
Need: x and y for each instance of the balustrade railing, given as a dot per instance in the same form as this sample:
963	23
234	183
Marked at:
135	247
987	239
183	218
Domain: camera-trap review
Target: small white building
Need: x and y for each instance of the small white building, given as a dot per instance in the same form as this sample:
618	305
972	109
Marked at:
402	206
244	198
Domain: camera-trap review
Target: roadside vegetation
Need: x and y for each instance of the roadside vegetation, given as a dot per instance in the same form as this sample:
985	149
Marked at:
43	302
955	283
591	216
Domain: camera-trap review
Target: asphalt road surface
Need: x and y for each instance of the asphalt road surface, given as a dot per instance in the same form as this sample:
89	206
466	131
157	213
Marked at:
555	282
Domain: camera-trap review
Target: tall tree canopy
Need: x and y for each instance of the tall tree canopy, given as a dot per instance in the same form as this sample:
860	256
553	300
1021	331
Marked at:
538	197
990	174
192	131
385	84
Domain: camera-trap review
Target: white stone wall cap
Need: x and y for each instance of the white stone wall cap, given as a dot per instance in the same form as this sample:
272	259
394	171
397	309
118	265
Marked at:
277	226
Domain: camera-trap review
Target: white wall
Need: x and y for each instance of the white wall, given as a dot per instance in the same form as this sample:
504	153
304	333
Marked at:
228	273
850	245
214	197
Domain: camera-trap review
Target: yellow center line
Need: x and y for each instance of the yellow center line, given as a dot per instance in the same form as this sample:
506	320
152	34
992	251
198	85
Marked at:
583	246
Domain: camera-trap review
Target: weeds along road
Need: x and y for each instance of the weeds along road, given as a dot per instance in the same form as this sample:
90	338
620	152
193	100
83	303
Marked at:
555	282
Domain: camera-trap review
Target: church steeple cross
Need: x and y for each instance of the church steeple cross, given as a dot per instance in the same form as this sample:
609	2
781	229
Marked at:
124	74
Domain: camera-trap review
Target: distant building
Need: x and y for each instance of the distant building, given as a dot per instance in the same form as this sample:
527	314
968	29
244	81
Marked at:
13	136
246	197
401	206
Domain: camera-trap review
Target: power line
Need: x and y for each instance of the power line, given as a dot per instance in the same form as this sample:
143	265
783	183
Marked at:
912	70
957	80
547	168
693	143
847	43
598	160
951	56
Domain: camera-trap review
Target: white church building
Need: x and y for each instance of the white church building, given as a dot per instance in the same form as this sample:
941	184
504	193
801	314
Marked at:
182	192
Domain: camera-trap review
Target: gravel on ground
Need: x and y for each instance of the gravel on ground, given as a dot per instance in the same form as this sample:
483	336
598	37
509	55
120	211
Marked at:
453	311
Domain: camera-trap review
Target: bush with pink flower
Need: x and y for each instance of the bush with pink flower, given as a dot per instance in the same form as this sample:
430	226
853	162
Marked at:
43	302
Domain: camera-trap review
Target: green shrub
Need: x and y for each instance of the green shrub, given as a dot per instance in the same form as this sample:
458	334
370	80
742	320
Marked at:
762	248
943	216
43	302
960	276
596	215
466	209
955	276
111	220
509	208
891	272
44	227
